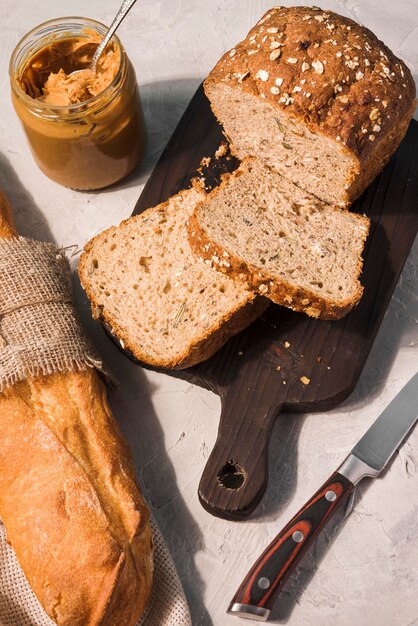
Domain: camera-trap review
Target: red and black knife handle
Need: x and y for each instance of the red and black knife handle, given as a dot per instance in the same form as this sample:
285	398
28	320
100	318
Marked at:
267	576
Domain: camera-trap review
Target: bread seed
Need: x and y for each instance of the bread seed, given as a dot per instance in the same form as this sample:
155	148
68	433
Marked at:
273	30
279	82
275	54
275	90
292	60
305	380
374	114
274	45
313	311
279	125
305	66
179	315
318	67
262	75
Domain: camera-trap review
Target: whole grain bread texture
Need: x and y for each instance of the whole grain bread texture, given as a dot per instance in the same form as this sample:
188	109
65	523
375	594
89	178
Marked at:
167	308
68	498
317	97
302	253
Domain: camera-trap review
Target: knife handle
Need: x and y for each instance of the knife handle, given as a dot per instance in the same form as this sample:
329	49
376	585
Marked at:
259	589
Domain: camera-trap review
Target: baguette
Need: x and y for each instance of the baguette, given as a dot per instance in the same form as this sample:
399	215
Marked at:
68	497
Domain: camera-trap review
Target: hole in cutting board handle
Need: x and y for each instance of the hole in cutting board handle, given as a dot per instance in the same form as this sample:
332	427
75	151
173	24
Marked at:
231	475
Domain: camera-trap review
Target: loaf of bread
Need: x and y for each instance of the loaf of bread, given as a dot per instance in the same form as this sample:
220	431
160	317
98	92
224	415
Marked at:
317	97
296	250
68	497
168	308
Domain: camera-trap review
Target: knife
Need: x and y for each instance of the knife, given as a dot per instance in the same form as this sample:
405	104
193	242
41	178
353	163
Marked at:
259	589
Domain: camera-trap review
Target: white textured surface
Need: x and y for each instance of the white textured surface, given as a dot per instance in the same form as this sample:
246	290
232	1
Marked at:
366	573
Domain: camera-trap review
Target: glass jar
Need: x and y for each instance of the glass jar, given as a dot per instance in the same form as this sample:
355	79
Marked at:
87	145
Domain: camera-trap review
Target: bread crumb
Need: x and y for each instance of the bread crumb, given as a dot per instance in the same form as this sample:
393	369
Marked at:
305	380
205	162
221	151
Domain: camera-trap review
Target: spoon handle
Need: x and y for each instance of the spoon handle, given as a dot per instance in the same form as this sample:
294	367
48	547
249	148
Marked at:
120	15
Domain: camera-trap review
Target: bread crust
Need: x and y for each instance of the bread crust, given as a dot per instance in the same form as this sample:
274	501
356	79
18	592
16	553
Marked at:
277	290
207	344
68	497
355	91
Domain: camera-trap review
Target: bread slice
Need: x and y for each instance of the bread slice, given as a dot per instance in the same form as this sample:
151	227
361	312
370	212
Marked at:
299	252
316	96
165	306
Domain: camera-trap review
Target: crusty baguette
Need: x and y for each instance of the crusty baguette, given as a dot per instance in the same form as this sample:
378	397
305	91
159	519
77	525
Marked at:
317	97
68	498
259	227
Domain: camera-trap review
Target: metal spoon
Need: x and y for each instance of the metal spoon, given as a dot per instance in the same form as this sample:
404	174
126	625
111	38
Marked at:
120	16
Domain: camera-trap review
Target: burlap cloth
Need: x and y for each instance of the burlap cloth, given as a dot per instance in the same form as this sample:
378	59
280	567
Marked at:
39	335
39	330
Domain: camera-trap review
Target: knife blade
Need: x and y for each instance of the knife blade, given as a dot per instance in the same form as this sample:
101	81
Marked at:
259	589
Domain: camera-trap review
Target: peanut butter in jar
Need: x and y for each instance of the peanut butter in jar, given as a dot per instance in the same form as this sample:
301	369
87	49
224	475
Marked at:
85	130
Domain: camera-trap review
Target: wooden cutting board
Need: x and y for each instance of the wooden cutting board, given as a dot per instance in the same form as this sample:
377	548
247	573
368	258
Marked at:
258	372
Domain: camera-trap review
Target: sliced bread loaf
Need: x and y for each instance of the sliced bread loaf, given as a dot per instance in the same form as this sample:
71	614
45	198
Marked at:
299	252
316	96
165	306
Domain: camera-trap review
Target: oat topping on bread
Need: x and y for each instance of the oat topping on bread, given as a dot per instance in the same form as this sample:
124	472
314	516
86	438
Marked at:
317	96
265	231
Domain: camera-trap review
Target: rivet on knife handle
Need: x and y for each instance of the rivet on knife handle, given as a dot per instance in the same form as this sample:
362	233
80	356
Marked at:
258	591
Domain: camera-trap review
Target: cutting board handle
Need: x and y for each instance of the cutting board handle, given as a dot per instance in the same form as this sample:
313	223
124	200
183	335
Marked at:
235	477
